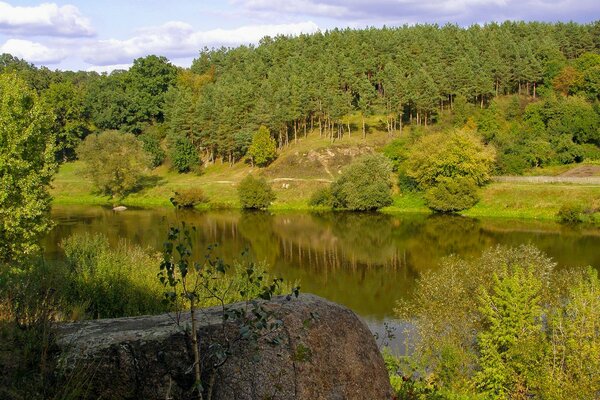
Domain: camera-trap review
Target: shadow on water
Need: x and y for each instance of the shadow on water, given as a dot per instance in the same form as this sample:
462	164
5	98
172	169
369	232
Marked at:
366	261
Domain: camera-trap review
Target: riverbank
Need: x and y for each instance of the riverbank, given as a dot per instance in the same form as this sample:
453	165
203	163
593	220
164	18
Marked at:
524	200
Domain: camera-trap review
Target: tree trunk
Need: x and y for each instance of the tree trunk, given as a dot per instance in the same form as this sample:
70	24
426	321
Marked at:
534	87
295	132
363	126
197	372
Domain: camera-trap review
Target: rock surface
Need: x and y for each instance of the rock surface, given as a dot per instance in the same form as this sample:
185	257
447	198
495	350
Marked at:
325	352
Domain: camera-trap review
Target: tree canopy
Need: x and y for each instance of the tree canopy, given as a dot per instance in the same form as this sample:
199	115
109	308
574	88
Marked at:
26	168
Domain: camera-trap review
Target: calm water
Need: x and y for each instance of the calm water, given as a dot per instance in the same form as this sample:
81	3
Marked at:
365	261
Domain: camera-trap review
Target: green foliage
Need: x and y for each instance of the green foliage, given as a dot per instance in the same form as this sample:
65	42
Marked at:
449	168
517	338
182	152
151	145
456	154
263	149
192	283
364	185
26	168
148	80
511	341
188	198
572	213
255	193
111	282
321	198
452	194
71	125
114	161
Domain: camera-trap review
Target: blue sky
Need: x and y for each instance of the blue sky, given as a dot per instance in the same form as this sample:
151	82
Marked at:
106	34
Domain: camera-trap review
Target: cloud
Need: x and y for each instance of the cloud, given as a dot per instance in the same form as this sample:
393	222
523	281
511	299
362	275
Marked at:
47	19
414	11
33	52
109	68
178	40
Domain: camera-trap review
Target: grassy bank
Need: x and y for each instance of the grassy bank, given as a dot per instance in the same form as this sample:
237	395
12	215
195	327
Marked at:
507	199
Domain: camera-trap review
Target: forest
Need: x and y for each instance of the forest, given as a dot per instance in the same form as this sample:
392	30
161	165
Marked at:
529	89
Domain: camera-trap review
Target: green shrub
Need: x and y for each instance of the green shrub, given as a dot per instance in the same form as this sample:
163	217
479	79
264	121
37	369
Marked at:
452	195
450	155
574	214
182	152
364	185
112	282
321	198
263	149
115	162
505	325
255	193
188	198
151	144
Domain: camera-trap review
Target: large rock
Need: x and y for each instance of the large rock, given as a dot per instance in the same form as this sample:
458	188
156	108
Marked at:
326	352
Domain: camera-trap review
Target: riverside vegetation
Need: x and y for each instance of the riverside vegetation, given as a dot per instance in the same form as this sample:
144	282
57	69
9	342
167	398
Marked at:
493	99
528	103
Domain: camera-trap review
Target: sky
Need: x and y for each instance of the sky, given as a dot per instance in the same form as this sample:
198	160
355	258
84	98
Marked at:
102	35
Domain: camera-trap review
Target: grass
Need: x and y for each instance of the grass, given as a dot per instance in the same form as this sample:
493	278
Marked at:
533	201
310	164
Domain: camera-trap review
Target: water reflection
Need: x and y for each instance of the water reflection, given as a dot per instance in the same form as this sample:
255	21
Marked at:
365	261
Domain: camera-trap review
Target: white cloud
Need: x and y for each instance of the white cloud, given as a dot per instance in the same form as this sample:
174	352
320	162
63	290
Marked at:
412	11
178	39
109	68
46	19
32	52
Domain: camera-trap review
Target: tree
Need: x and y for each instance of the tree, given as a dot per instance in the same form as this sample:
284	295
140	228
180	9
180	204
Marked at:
148	81
364	185
182	152
26	168
511	344
263	149
255	193
452	195
71	124
114	161
458	154
449	167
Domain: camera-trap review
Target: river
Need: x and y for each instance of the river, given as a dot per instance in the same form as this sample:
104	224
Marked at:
366	261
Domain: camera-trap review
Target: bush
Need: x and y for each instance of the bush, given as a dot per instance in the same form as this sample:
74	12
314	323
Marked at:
151	145
263	149
255	193
188	198
515	327
112	282
452	195
321	198
574	214
364	185
450	155
114	161
182	152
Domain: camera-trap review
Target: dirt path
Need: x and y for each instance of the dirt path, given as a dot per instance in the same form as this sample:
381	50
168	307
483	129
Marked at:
583	171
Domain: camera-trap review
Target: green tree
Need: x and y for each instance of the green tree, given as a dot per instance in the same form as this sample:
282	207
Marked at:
182	152
457	154
255	193
71	124
364	185
114	161
263	149
26	168
148	80
511	344
452	195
